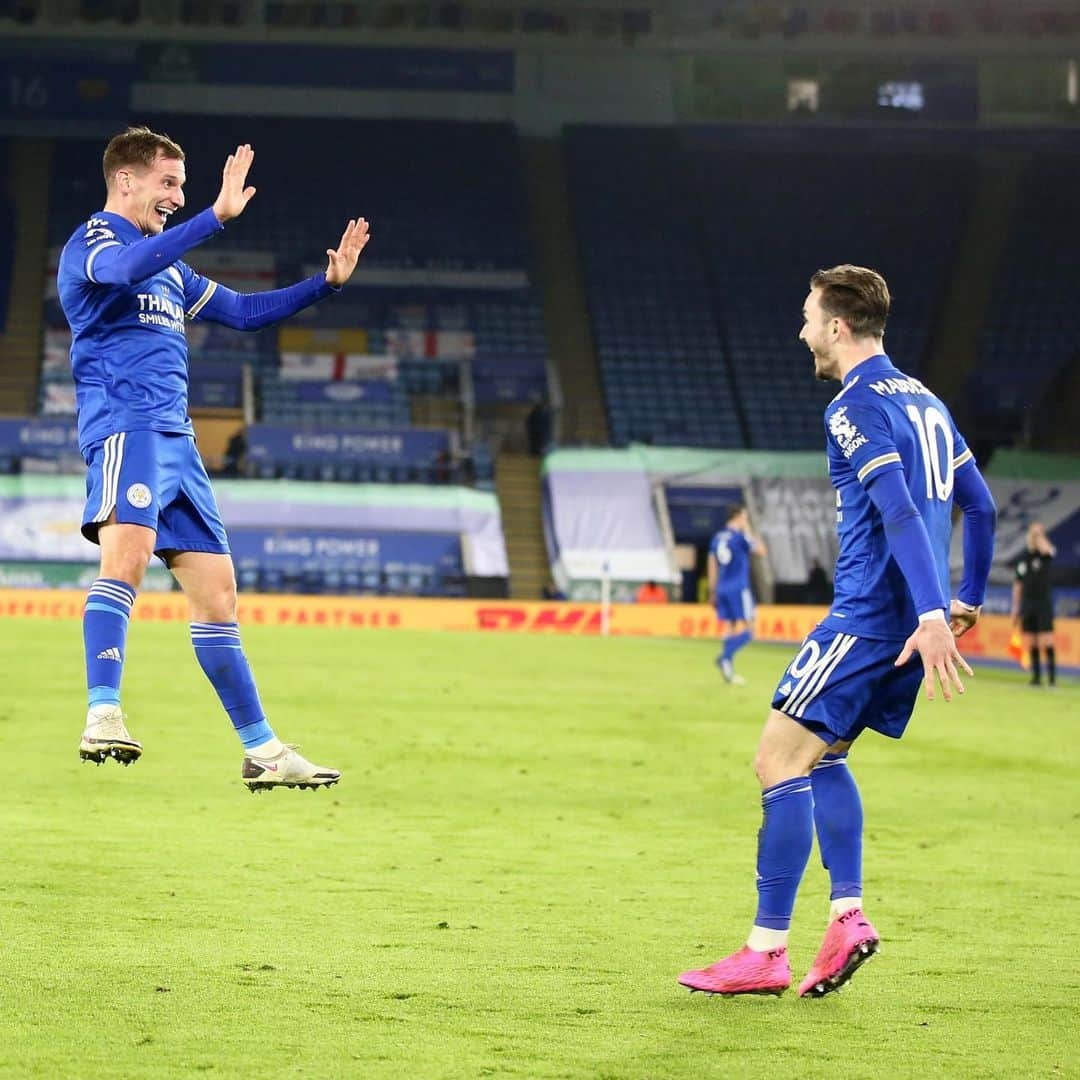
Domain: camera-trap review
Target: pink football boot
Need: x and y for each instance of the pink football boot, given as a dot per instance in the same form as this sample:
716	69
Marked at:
744	972
849	942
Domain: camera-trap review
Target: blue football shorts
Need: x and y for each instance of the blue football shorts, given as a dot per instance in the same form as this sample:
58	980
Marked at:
839	685
737	606
156	479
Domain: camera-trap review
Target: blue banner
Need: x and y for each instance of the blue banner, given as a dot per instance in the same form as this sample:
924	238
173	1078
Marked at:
370	392
57	89
352	68
698	513
324	549
285	444
39	438
508	380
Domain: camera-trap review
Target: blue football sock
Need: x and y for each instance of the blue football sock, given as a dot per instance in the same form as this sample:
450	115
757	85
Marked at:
838	817
784	842
105	623
221	656
734	643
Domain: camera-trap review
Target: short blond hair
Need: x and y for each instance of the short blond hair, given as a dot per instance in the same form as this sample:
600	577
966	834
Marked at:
139	147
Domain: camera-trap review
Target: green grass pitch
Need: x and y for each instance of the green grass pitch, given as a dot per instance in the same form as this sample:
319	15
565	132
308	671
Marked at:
533	836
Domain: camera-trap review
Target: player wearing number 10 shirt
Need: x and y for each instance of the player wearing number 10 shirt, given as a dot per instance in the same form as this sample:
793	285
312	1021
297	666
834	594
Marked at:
897	463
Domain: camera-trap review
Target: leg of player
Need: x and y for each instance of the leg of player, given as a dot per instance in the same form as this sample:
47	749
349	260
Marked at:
125	554
739	636
838	819
786	755
209	583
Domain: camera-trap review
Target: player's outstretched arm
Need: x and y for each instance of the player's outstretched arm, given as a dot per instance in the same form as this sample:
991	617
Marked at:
108	262
235	194
253	311
341	261
980	517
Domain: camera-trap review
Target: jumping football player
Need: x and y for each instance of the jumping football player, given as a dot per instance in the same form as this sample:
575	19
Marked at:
729	586
897	462
126	293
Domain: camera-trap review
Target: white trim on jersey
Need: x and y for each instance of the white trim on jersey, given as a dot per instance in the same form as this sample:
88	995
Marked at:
748	605
110	474
844	391
963	459
813	682
211	288
94	254
876	463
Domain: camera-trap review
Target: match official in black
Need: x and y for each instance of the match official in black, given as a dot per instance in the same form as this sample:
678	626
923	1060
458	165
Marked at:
1033	603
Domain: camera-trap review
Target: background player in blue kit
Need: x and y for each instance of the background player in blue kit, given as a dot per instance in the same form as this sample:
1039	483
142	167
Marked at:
729	585
897	463
126	293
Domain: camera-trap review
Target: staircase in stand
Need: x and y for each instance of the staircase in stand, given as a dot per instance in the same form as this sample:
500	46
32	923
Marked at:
517	484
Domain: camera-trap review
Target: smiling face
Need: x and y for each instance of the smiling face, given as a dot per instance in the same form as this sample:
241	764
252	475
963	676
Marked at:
149	195
820	334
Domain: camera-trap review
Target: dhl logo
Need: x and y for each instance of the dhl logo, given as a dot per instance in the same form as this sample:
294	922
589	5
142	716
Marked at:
564	619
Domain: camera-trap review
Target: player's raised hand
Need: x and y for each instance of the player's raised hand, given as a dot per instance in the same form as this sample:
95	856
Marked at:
936	646
342	262
234	194
962	618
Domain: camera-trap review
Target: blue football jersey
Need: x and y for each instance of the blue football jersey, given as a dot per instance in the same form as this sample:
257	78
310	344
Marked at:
128	348
731	549
884	420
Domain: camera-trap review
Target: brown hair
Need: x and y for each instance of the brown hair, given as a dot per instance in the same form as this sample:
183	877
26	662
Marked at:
855	294
138	146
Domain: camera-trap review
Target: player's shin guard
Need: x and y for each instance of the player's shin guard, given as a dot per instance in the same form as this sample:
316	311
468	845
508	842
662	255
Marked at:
1051	665
221	656
105	623
838	818
784	841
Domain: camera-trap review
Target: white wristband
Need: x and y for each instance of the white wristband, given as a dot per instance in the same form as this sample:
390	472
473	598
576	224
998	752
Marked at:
932	616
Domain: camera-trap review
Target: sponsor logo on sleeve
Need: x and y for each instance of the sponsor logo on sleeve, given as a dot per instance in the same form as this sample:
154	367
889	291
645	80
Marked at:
848	437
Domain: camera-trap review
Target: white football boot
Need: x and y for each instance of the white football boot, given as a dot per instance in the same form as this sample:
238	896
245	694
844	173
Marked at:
288	769
105	736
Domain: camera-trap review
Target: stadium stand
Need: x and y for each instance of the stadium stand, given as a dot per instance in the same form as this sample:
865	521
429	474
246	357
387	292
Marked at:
443	289
1033	329
7	238
689	242
663	369
899	211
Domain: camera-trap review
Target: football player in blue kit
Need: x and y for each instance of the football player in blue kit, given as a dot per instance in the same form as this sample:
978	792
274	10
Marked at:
126	294
897	463
729	586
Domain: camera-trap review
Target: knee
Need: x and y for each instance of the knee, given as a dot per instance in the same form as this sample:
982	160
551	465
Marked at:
221	604
772	766
761	767
126	564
